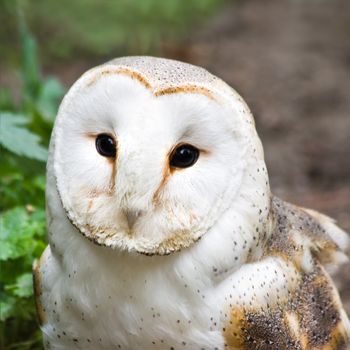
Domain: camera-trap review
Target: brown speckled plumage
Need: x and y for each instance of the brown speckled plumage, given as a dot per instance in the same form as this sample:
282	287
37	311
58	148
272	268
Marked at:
309	318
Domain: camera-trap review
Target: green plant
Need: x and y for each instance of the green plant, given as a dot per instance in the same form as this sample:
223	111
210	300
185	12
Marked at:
24	135
93	28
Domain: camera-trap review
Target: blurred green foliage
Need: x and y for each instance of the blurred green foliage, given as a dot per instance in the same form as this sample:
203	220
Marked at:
105	27
64	29
24	136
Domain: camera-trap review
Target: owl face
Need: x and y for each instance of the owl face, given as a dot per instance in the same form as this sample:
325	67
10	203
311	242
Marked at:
146	166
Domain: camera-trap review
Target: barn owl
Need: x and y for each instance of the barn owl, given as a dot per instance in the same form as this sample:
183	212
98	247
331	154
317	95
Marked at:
163	232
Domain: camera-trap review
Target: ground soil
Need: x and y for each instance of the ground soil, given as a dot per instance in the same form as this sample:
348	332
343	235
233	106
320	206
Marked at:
290	60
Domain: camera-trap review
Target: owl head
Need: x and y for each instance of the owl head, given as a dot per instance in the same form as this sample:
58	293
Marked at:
149	153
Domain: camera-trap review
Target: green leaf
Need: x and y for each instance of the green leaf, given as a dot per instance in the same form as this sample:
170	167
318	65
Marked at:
23	286
7	307
12	223
47	104
19	140
20	232
7	250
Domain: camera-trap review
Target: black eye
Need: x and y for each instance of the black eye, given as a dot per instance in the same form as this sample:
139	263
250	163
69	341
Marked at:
184	156
105	145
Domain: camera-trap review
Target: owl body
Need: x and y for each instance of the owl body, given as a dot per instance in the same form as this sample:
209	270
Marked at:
163	233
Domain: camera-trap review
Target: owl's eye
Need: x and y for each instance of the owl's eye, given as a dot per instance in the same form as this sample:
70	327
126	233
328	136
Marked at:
184	156
105	145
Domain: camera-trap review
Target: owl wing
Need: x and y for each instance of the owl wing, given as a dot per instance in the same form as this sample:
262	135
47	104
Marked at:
292	303
298	232
38	270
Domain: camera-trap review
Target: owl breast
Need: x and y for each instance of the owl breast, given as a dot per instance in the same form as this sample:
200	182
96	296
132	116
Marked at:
91	297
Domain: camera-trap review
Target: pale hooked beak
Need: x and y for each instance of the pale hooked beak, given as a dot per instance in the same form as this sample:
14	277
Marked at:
132	216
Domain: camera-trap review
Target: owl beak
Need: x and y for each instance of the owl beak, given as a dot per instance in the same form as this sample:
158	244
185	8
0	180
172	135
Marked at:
131	217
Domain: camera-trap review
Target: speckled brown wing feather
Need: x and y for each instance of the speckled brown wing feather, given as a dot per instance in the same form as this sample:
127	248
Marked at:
38	293
312	316
297	230
38	287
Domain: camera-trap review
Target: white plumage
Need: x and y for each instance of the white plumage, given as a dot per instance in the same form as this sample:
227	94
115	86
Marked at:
145	253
